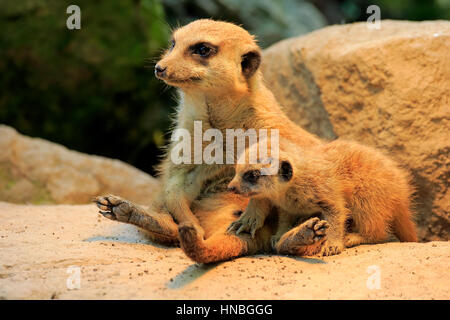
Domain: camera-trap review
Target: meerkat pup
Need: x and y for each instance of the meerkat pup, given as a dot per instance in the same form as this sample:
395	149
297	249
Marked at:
342	180
215	66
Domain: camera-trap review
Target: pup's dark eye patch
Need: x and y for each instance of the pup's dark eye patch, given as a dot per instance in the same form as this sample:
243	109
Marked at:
285	171
251	176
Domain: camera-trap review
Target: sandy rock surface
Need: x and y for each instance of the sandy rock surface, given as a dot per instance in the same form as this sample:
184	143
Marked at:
38	171
41	247
387	88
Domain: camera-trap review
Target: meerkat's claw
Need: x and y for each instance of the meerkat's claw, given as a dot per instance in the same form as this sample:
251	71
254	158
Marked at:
246	223
107	214
331	249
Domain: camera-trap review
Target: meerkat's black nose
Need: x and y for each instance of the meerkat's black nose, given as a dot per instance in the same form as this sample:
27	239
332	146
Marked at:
233	189
160	72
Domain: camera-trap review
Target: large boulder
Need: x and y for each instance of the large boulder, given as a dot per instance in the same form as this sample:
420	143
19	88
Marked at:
387	88
38	171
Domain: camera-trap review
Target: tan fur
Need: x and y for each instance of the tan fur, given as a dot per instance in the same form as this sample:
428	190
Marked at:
340	179
223	93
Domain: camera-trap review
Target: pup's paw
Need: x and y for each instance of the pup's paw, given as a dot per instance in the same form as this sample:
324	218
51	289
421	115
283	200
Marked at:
318	229
310	232
246	223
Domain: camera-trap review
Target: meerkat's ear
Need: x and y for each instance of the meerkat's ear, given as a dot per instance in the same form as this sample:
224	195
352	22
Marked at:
285	171
250	63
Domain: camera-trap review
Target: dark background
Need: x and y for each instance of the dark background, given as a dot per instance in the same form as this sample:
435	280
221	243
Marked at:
93	89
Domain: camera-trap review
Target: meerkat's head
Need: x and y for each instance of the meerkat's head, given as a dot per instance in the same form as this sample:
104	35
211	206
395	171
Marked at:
250	181
210	55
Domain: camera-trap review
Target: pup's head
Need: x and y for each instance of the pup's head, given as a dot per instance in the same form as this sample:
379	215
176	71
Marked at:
250	182
209	55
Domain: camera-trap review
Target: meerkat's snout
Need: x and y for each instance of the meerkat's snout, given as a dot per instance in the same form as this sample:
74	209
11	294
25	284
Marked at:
233	186
245	184
160	72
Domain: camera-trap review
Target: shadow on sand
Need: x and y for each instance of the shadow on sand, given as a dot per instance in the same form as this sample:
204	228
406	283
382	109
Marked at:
190	274
196	271
127	234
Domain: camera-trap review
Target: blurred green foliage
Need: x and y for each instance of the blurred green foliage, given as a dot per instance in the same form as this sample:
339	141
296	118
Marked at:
87	89
90	90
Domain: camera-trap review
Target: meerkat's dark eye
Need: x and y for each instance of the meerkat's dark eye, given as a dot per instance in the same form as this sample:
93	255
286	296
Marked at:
251	176
285	172
202	50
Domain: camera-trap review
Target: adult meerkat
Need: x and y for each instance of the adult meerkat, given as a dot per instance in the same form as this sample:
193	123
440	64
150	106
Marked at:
341	180
215	66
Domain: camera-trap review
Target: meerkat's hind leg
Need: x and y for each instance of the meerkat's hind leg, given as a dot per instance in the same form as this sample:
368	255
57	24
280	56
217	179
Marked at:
160	225
304	240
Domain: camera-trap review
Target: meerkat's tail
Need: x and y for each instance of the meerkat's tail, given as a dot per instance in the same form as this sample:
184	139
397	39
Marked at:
403	225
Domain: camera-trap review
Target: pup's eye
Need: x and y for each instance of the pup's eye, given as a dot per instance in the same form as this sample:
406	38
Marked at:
251	176
202	50
172	44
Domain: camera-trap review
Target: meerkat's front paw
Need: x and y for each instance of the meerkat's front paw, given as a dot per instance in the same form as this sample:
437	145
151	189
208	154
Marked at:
246	223
332	248
114	208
